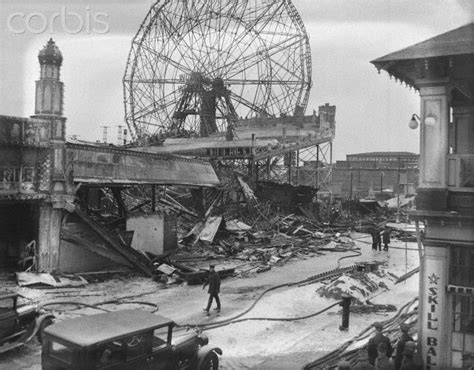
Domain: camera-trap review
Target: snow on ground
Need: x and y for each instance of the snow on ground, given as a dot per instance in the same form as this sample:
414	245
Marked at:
249	344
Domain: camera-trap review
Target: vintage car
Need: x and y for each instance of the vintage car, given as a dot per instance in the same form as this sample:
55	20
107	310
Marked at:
129	339
19	324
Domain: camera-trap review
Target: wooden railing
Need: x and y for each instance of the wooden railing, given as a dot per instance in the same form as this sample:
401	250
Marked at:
461	171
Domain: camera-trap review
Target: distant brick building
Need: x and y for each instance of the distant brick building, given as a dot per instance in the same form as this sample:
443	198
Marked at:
375	174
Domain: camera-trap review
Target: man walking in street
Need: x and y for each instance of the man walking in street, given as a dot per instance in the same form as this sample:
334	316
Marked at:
214	282
374	343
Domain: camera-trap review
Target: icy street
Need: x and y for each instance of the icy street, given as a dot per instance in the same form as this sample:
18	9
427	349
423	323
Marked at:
248	344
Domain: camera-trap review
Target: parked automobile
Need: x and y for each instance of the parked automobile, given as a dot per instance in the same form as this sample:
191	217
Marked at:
19	324
130	339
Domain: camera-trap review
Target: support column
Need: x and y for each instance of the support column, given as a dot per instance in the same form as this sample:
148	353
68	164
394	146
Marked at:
153	198
434	146
433	136
433	313
48	238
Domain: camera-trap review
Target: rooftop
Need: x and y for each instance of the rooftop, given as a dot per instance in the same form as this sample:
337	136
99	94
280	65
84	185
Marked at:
384	154
95	329
459	41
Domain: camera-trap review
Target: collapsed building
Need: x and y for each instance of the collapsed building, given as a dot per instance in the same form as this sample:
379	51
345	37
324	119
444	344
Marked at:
73	206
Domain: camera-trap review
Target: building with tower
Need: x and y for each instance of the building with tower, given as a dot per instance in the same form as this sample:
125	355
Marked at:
35	186
44	178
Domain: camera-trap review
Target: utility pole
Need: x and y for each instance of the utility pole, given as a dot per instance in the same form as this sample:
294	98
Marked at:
398	190
350	190
381	185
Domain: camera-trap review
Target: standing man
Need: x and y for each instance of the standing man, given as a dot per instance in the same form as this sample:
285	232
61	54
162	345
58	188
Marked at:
374	343
386	238
404	338
214	282
378	239
373	233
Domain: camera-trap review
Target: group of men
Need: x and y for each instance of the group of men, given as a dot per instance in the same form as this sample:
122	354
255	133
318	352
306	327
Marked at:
377	239
379	353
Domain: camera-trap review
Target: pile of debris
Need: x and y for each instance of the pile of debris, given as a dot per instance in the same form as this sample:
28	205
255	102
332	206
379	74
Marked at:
362	286
229	222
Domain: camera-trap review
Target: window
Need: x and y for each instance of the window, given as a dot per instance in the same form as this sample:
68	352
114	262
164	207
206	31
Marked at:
60	352
159	338
462	339
137	345
461	269
110	354
463	310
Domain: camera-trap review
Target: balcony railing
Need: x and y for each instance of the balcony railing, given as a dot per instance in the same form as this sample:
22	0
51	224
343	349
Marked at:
461	172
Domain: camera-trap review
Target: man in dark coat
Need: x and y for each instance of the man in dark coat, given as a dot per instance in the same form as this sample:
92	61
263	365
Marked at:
401	345
373	232
214	282
378	239
386	238
411	358
374	343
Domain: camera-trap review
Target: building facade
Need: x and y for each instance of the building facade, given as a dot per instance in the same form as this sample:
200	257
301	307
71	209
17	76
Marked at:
442	70
376	174
35	184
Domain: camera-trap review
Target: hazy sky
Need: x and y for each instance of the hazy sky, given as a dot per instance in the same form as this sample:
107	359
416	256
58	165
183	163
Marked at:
372	110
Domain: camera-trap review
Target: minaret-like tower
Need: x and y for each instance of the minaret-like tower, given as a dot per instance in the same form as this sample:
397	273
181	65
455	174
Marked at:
52	161
49	88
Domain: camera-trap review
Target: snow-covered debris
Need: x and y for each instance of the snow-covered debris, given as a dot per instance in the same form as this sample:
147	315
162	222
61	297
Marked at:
361	286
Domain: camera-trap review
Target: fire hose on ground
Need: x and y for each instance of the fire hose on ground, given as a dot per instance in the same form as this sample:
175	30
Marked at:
310	280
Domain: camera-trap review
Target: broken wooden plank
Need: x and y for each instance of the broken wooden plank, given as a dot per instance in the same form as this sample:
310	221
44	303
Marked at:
115	243
92	247
210	228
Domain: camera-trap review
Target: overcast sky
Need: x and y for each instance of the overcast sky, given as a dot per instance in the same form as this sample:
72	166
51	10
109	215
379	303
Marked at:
345	35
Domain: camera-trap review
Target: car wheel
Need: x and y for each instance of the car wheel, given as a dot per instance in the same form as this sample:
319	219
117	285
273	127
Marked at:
45	323
211	362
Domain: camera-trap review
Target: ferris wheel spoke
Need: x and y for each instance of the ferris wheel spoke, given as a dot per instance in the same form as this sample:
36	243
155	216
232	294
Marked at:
188	48
256	57
236	81
284	68
155	105
168	60
252	26
249	104
176	47
165	81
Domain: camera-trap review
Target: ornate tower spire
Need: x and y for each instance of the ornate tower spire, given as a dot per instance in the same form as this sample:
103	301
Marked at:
49	88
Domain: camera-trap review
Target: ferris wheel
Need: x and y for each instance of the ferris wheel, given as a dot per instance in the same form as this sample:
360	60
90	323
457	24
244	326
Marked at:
197	66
